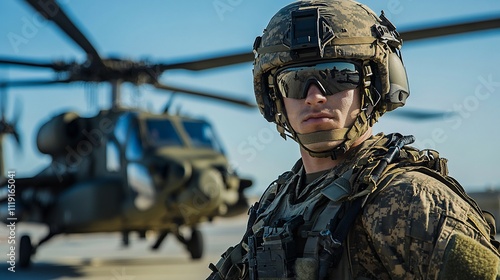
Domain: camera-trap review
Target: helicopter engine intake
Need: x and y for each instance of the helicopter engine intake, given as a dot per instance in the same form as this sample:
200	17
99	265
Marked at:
60	134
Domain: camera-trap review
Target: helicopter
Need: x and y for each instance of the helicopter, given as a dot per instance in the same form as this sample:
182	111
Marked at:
124	169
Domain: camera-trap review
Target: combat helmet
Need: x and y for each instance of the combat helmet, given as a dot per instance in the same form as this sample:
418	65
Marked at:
318	30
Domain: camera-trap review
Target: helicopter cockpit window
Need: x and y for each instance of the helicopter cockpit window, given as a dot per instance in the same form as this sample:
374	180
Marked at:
140	181
112	157
161	132
134	149
202	135
121	128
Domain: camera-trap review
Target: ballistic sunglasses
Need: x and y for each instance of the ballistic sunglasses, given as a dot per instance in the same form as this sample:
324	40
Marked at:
332	77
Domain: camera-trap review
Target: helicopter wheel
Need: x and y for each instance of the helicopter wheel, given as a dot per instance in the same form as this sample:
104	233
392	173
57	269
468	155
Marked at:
25	251
195	244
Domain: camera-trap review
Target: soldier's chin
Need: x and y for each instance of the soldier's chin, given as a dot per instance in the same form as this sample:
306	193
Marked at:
323	146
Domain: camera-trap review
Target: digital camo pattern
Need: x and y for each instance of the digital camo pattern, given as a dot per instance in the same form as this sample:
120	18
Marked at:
403	232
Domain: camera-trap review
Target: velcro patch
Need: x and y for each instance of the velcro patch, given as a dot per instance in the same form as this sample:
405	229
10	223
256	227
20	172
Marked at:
465	258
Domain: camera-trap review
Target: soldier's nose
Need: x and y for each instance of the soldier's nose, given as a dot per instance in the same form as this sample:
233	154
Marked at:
315	95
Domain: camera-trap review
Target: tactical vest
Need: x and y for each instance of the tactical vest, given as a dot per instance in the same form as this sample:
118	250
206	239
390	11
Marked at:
293	238
288	236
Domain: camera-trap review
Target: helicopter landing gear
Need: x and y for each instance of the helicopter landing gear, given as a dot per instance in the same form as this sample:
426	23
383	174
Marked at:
125	238
26	249
159	240
194	245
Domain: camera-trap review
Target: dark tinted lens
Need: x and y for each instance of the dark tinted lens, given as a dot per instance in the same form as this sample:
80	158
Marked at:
333	76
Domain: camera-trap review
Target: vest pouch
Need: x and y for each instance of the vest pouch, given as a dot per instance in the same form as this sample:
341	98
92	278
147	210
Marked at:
275	251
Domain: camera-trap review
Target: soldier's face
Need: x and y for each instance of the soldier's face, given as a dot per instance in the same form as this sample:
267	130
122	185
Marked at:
318	112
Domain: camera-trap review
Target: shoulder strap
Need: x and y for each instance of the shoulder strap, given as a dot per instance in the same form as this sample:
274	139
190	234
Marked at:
365	184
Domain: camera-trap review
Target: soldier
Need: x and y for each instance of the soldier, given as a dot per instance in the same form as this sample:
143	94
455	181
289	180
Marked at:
356	205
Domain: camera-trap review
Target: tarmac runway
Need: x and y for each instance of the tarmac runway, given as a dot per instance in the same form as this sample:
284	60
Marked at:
102	256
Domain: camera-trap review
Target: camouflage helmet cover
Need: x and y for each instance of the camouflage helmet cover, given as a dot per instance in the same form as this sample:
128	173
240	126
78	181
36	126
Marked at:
358	34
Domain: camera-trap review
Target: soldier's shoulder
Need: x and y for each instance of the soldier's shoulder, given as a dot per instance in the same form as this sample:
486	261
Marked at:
415	183
423	182
416	193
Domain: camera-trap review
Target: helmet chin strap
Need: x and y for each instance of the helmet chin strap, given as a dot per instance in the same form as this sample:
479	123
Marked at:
365	119
323	136
348	135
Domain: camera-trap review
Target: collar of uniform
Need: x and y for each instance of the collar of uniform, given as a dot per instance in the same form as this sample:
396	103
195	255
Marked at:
310	177
354	157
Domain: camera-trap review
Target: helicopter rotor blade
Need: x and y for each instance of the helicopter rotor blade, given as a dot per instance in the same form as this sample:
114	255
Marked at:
56	66
204	94
28	83
208	63
52	11
407	35
451	29
420	114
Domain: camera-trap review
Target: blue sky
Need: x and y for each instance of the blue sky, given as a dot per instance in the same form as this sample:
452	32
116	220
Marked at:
459	73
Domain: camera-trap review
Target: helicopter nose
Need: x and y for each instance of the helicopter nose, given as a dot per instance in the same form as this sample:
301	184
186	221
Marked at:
203	194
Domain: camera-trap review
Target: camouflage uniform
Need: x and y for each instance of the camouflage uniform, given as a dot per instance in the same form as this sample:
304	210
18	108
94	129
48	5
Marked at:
408	229
405	229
